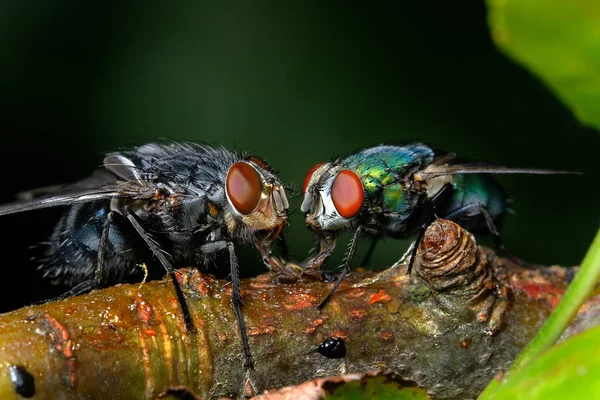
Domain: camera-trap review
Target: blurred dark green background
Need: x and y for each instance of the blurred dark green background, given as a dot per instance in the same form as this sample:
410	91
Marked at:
294	83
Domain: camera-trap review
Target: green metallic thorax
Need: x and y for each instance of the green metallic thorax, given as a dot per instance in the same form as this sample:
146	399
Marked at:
383	171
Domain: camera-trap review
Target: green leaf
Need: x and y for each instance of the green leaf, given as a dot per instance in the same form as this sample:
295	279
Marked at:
570	370
378	388
557	40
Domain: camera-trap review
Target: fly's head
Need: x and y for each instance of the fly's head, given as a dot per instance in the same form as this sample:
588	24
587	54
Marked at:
333	197
255	197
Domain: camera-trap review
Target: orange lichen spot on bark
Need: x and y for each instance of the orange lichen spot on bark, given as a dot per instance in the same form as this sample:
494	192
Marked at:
379	297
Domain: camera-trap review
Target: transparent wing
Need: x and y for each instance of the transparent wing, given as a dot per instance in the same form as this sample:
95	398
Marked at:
58	200
435	170
125	190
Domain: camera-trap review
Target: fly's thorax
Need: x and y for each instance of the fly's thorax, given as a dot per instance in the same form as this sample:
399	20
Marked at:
333	197
256	200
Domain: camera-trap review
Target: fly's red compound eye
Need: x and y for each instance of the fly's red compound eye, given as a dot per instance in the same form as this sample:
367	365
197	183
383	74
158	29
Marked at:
347	194
243	187
309	175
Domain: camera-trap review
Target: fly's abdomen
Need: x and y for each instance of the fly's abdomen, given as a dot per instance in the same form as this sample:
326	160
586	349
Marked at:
471	191
71	253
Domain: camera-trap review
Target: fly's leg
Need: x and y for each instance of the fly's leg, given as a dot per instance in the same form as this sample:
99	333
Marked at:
284	251
492	228
498	240
285	270
157	252
415	248
326	244
236	300
405	256
347	263
102	248
236	294
426	214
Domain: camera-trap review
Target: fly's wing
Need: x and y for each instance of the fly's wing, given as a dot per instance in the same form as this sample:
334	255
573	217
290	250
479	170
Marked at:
435	170
75	197
58	200
102	184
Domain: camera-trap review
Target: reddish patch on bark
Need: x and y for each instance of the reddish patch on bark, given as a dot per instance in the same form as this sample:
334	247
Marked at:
263	330
385	335
144	310
315	323
544	291
341	334
202	288
149	332
358	313
59	337
465	342
356	293
181	278
299	301
379	297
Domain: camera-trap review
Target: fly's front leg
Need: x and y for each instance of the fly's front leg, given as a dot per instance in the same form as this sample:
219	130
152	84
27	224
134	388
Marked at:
312	266
347	263
166	264
285	270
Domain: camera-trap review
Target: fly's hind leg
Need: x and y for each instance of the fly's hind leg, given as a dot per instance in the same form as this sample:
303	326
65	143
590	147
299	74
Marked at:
498	240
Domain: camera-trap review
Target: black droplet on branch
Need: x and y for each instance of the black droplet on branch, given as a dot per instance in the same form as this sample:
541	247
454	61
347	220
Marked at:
333	347
22	381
